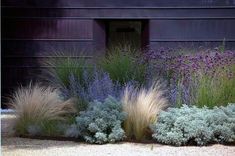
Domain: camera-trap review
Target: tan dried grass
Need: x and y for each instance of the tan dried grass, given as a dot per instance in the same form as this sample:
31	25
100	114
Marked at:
37	104
142	106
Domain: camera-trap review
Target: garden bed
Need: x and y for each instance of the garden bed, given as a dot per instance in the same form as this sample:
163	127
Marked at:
6	120
113	101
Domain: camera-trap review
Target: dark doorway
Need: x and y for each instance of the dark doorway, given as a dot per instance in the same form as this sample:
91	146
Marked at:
124	33
108	33
127	32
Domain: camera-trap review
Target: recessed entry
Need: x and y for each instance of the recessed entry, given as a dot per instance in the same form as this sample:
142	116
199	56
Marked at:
121	32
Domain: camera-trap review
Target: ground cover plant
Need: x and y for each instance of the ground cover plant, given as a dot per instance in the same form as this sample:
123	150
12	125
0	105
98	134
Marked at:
193	125
36	108
100	123
142	105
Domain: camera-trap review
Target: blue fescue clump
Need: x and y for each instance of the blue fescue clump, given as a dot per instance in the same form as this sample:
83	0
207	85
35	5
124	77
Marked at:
100	123
188	125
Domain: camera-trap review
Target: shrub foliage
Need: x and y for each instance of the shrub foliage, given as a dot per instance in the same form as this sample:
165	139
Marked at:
190	125
101	123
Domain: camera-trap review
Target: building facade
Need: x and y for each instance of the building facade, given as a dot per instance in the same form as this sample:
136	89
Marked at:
33	28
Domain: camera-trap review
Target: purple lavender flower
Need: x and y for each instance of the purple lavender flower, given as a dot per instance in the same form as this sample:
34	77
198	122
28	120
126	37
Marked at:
97	86
185	68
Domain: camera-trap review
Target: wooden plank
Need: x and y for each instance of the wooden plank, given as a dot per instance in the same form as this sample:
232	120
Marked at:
45	48
100	36
47	29
191	45
48	13
117	3
192	30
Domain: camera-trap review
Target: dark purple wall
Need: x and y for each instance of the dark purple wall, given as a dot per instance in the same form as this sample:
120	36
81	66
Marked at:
118	3
33	29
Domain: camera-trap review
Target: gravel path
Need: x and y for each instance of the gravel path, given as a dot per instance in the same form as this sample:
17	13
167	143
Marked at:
13	146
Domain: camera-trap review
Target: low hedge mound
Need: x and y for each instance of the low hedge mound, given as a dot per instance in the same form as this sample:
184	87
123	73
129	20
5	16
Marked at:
193	125
100	123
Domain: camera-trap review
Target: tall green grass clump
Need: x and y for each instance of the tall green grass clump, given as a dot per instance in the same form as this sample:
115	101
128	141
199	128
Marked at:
37	107
61	68
215	90
122	66
221	48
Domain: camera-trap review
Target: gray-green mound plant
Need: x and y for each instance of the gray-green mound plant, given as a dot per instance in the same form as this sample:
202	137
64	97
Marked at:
100	123
193	125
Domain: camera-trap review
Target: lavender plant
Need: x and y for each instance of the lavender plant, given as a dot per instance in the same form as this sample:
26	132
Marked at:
97	86
179	94
102	86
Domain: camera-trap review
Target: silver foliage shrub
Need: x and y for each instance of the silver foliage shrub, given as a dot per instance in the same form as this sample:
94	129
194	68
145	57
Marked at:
100	123
190	125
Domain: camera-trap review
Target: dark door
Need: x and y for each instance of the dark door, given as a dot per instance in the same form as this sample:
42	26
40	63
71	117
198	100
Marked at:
133	33
108	33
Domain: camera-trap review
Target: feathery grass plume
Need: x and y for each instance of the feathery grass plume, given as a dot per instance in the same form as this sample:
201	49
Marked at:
142	106
36	105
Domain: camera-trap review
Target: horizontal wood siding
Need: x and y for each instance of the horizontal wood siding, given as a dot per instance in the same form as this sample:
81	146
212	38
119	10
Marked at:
33	30
101	13
191	44
192	30
118	3
27	42
47	29
33	47
202	32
